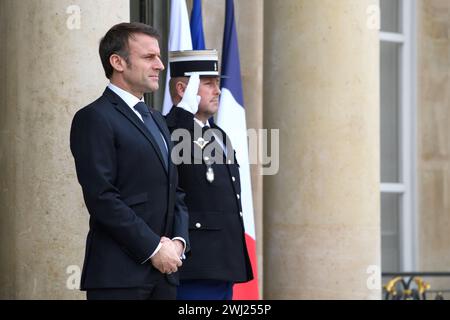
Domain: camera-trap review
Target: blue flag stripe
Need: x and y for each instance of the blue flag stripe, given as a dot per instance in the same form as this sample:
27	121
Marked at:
198	39
231	67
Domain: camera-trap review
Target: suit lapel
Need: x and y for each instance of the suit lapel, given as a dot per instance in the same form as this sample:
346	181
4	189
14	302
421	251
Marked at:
124	109
160	122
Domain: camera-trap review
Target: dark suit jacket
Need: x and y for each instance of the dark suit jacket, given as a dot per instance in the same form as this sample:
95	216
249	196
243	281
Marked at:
216	227
131	198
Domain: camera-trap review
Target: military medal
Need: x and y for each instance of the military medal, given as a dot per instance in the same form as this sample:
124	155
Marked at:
210	175
209	170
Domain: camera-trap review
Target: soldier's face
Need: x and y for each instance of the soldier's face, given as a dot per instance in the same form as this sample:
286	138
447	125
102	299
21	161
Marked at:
209	91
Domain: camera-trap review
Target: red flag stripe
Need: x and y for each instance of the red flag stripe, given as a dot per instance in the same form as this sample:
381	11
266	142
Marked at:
248	290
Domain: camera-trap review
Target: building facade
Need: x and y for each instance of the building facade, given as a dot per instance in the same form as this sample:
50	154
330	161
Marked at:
358	89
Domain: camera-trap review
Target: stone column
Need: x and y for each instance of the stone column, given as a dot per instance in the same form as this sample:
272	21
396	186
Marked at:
433	111
321	90
50	70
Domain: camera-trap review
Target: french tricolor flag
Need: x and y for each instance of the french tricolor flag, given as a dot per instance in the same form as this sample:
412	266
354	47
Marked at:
231	118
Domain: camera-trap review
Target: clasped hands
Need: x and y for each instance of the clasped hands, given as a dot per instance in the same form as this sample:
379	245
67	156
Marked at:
168	258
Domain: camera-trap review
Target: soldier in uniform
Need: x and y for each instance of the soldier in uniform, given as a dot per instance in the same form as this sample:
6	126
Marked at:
209	175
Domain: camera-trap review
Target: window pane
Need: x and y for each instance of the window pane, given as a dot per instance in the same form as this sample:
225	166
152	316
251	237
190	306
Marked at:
135	10
390	240
390	17
390	118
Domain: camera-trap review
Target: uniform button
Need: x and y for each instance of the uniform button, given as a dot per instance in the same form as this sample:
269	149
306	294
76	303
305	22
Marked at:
233	178
238	196
229	161
240	213
198	225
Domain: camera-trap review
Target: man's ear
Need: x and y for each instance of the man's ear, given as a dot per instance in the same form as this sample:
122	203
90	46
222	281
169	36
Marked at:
181	88
117	62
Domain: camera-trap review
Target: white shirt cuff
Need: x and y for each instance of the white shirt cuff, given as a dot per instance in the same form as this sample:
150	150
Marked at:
184	246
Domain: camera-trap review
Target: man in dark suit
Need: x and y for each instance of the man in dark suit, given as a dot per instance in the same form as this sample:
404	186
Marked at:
138	227
209	174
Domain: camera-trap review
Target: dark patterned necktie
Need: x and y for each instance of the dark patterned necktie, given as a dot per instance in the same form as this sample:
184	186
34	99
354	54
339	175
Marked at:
151	125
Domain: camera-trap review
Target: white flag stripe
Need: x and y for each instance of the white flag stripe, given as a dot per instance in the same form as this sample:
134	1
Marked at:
179	39
231	119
